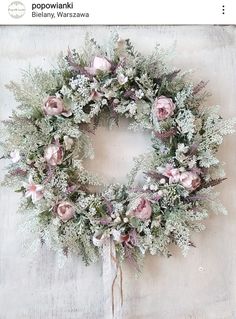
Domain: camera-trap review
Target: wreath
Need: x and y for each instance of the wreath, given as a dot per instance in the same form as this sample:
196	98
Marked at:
48	140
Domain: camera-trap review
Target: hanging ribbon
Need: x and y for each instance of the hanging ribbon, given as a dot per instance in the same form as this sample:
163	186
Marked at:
112	282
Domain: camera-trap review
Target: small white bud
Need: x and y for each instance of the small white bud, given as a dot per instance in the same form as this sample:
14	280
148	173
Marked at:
116	101
125	220
162	181
160	192
153	187
117	220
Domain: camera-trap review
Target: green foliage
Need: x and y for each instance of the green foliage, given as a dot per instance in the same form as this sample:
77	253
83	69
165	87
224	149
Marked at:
172	199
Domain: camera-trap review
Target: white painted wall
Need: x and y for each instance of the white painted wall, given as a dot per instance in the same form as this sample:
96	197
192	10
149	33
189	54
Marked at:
201	286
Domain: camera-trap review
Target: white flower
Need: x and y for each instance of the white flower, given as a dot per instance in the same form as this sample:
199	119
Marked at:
130	72
139	94
33	190
182	148
122	79
104	102
15	156
153	187
132	108
68	142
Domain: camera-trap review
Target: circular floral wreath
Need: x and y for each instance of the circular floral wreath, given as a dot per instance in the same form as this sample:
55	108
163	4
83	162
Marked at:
48	138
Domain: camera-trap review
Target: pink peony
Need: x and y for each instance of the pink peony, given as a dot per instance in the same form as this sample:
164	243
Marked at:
33	190
190	180
53	154
172	173
163	107
65	211
53	106
101	64
143	211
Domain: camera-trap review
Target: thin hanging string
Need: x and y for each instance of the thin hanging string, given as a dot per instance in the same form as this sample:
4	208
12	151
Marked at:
111	272
118	269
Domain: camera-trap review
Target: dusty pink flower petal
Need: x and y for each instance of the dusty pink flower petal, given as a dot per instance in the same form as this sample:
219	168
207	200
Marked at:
33	190
143	211
66	113
163	107
65	211
190	180
172	173
122	79
100	64
53	154
95	96
156	197
53	106
90	70
129	239
71	188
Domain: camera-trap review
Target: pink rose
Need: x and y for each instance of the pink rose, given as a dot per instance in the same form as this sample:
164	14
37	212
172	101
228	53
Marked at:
65	211
172	173
53	154
163	107
190	180
101	64
143	211
53	106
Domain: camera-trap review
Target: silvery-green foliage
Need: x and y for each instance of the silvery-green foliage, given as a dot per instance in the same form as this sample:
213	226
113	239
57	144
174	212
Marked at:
168	193
185	121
